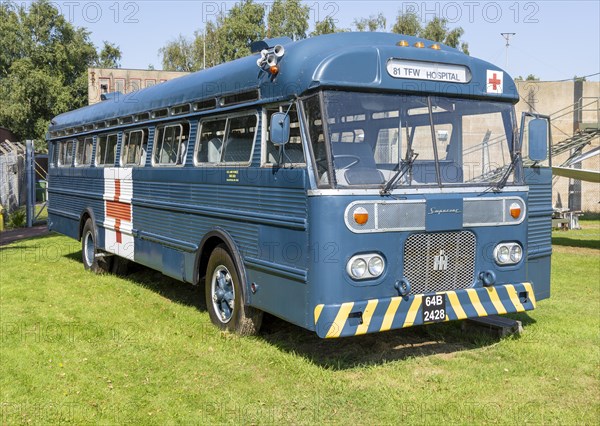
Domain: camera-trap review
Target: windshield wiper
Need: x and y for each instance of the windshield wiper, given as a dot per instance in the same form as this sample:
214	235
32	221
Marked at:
504	179
408	162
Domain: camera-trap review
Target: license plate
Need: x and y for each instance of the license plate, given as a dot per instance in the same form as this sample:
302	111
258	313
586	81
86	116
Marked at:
434	308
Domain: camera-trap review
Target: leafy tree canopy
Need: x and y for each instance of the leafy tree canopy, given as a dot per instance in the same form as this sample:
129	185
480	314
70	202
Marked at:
43	66
288	18
110	56
372	23
437	30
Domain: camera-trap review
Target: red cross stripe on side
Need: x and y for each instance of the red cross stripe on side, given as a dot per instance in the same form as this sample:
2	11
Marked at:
118	211
494	81
118	214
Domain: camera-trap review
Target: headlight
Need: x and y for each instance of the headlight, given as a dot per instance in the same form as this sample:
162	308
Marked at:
508	253
516	253
503	254
365	266
376	266
358	268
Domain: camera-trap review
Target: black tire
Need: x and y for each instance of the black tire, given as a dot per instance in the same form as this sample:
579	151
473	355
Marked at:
89	250
228	311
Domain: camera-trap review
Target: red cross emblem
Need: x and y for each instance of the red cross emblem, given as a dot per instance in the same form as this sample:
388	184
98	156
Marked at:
494	81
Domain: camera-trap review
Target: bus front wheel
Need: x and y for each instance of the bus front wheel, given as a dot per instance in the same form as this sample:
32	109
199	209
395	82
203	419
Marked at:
89	251
224	296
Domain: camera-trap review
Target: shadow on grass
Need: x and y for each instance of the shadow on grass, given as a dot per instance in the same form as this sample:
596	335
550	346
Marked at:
172	289
576	242
442	339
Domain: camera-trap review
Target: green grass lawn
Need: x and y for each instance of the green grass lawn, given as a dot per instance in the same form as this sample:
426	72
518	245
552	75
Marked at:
78	348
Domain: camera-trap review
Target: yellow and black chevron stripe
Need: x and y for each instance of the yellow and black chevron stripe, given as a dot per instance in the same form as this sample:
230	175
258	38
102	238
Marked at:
370	316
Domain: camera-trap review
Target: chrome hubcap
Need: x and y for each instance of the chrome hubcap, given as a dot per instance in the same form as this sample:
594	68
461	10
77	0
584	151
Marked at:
89	248
223	293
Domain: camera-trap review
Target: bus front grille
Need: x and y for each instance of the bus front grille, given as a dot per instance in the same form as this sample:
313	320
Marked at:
439	261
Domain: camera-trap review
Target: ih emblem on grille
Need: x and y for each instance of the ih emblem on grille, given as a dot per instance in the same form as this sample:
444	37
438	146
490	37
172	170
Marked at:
440	262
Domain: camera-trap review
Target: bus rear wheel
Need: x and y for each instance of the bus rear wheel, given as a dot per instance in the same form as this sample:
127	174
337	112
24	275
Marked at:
89	251
225	298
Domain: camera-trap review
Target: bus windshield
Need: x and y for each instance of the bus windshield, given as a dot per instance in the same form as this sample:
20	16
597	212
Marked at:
368	139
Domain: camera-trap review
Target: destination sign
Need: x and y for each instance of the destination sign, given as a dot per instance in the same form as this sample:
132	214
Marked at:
415	70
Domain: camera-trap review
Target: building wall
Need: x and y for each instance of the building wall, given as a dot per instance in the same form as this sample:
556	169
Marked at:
557	99
108	80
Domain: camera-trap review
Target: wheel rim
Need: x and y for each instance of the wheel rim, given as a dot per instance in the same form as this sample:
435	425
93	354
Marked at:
222	294
88	248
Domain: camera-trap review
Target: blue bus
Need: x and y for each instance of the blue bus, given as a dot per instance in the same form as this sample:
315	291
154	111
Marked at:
348	183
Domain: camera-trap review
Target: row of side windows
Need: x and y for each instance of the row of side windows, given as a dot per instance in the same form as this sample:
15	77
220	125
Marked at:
221	140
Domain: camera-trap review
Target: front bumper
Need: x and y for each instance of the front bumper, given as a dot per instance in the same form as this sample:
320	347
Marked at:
371	316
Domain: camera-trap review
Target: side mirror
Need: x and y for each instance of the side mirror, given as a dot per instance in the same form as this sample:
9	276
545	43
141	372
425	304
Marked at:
538	139
280	128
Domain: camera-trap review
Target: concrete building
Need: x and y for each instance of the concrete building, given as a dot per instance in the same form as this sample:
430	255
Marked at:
126	81
573	106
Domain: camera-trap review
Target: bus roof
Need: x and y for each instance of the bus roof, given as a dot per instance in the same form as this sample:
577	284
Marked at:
359	61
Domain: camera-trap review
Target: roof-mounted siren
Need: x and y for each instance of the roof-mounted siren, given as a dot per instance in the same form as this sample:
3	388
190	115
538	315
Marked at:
270	53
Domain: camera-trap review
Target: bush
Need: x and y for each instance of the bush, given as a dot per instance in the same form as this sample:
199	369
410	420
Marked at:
17	219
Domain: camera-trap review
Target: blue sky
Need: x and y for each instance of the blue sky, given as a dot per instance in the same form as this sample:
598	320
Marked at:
554	40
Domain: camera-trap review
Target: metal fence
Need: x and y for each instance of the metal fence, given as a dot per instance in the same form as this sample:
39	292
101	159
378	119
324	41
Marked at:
13	183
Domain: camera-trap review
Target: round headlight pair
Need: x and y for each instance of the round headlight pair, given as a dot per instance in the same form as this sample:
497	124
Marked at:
365	266
508	253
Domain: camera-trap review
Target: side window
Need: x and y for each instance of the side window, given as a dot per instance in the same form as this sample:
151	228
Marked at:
240	139
106	150
293	151
228	140
210	141
171	144
83	152
133	151
65	155
54	151
312	110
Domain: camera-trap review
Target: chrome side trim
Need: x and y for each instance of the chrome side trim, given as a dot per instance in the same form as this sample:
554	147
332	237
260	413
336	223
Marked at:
410	191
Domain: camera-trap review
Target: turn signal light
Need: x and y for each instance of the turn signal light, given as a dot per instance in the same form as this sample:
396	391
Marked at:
273	69
515	210
361	215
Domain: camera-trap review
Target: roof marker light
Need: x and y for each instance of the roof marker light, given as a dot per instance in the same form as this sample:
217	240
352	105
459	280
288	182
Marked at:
435	46
419	44
402	43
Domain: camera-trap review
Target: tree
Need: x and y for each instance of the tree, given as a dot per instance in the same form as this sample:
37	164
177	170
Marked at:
326	26
372	23
235	31
181	54
407	24
288	18
230	35
43	67
110	56
437	30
